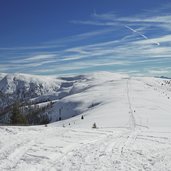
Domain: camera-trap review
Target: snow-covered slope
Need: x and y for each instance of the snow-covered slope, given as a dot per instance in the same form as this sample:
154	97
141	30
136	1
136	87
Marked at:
26	89
87	94
96	93
2	75
110	99
104	94
71	96
132	115
66	149
22	84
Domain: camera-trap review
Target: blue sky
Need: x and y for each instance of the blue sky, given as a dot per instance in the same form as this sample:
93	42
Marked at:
63	37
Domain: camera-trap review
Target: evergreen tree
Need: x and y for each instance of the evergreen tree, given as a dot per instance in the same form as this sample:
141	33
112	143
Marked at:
94	125
17	117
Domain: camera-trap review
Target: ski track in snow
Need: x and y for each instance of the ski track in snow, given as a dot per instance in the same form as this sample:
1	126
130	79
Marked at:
72	149
138	146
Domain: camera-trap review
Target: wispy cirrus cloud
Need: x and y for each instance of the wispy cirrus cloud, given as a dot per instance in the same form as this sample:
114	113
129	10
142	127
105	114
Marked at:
137	43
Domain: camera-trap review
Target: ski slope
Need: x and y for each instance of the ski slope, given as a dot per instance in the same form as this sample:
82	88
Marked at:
133	132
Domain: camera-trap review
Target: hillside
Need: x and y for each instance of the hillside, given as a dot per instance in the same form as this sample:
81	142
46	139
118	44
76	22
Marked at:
103	94
132	115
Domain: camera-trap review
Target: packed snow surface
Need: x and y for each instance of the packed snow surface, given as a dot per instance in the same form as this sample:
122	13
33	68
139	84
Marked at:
132	115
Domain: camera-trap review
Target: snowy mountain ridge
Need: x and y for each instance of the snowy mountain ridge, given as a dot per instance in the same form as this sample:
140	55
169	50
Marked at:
11	83
39	89
132	117
72	96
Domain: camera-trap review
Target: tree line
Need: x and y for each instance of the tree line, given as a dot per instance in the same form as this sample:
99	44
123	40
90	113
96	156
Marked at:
29	115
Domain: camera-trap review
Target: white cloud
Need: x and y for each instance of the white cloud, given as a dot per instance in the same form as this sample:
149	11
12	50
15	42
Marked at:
158	71
123	48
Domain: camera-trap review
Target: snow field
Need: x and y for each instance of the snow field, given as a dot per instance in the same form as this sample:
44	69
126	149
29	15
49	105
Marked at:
133	129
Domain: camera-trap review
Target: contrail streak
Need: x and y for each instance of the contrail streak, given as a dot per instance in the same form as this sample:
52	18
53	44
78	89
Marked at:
142	35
